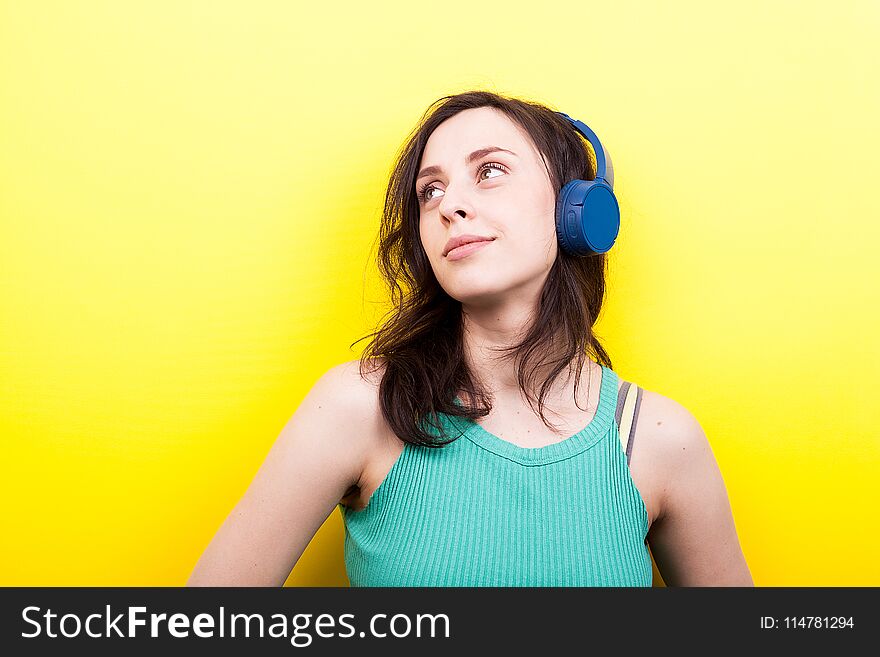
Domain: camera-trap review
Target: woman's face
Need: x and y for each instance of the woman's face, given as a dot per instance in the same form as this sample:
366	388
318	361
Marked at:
502	195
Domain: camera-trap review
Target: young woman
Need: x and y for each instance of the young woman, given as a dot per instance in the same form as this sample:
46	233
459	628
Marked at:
437	445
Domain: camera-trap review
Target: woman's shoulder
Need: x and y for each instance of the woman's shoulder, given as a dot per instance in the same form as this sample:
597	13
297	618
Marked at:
671	425
662	421
364	376
356	389
667	440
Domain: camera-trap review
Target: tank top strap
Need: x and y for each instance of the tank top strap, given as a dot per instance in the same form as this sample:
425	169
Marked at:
629	399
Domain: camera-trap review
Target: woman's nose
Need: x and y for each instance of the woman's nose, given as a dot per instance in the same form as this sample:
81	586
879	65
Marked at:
455	203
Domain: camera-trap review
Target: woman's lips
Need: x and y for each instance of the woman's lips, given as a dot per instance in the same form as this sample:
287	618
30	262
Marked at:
465	250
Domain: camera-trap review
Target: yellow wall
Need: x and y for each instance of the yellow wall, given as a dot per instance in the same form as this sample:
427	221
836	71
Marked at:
189	193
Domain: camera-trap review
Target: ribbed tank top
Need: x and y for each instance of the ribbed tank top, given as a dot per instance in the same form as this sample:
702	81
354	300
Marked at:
485	512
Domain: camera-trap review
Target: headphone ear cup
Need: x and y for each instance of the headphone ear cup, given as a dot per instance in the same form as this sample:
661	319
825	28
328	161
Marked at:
587	217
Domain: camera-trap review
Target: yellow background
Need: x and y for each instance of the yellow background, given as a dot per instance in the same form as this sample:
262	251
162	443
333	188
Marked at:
189	194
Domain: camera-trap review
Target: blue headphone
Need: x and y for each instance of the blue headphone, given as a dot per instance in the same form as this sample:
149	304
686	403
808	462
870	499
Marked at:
587	214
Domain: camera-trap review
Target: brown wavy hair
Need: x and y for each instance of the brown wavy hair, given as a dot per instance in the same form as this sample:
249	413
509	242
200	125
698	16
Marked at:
420	339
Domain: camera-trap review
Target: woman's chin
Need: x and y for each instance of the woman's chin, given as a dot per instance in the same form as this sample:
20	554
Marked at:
477	295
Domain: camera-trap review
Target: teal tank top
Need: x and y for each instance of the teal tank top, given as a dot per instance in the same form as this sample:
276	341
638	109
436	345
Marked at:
485	512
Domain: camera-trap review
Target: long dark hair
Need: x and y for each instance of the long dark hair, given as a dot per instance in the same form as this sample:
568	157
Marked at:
419	342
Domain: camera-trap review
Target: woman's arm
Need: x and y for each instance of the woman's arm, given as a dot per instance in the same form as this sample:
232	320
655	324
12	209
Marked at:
694	540
317	457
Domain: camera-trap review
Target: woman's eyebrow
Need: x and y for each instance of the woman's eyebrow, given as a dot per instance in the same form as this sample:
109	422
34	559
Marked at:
476	155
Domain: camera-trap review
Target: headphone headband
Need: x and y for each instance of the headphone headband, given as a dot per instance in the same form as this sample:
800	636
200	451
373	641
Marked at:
604	168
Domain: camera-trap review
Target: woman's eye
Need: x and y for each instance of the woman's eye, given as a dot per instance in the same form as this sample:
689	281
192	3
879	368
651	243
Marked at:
423	192
490	166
